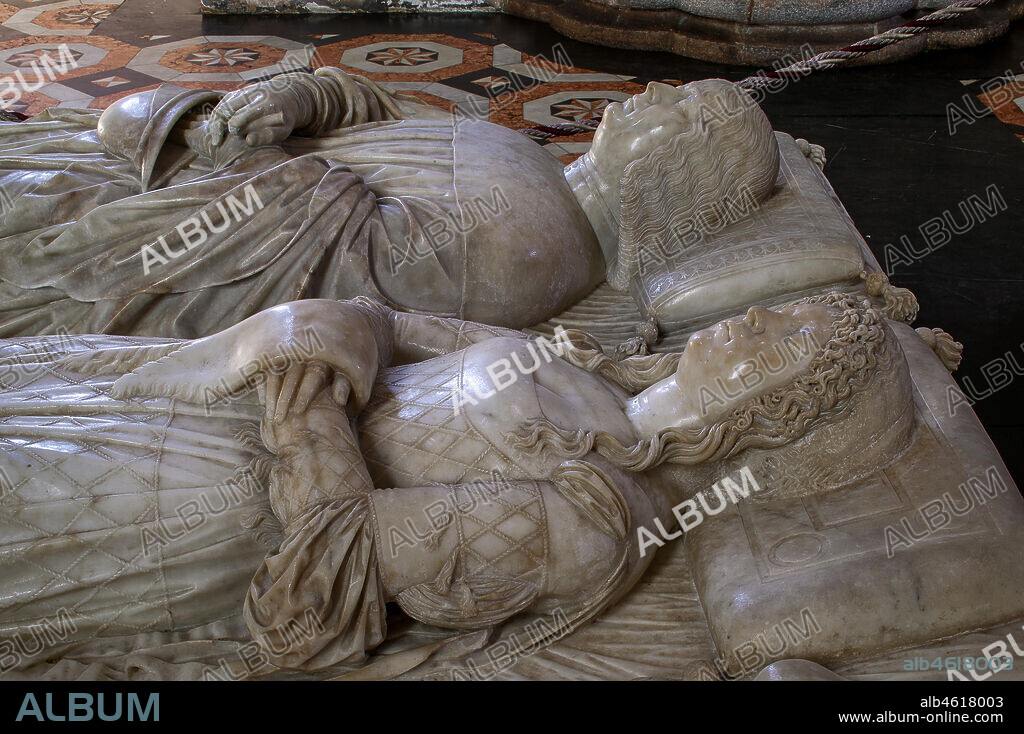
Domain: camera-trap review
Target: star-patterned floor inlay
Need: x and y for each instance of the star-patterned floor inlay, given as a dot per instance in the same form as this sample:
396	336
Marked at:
121	47
223	56
35	57
580	108
85	16
402	56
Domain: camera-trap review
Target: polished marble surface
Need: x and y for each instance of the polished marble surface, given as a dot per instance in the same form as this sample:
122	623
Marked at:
891	157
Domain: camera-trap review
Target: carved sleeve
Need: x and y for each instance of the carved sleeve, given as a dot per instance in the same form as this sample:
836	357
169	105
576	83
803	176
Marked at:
330	98
318	459
416	337
317	600
340	334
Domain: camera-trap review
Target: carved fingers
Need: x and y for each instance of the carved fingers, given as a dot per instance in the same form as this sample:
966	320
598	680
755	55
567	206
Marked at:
262	114
292	392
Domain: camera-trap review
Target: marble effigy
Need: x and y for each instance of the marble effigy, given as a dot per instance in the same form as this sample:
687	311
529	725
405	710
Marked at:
203	478
164	230
186	211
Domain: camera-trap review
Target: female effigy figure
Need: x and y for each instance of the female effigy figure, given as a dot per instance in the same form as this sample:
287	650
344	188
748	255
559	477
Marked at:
461	471
160	217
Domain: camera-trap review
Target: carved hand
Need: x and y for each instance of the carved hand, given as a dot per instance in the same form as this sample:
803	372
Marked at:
264	113
291	393
297	346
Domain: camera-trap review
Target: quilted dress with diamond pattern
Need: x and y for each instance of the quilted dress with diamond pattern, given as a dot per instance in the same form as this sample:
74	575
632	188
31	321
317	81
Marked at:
117	519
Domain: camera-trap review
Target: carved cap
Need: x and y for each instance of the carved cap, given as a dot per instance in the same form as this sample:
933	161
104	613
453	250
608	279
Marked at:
135	127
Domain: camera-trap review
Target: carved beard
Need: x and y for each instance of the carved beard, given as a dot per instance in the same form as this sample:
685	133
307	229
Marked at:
680	189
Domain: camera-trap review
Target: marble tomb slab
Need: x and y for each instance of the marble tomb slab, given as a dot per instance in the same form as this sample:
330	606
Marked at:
764	561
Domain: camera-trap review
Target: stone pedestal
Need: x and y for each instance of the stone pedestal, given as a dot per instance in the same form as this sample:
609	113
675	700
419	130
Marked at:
282	7
759	33
777	12
754	32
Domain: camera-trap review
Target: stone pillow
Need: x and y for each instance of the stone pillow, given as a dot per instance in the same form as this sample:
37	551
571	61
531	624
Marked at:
923	549
800	239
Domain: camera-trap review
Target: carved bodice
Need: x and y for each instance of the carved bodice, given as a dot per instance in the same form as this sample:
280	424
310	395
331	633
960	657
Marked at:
411	434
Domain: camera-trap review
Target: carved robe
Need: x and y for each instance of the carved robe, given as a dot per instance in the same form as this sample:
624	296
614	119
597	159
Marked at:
428	213
146	523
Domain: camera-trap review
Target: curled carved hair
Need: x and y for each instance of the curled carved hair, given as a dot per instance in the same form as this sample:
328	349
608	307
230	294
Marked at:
861	344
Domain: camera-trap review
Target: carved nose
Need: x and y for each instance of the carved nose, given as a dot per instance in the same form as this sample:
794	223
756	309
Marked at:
655	92
756	318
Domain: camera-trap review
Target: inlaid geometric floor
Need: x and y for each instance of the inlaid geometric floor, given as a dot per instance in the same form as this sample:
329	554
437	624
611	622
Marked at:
109	52
119	47
124	46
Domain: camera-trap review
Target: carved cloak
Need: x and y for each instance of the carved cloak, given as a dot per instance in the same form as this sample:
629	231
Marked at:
270	228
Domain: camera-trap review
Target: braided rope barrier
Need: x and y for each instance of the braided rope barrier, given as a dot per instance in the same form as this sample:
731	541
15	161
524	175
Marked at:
818	62
832	59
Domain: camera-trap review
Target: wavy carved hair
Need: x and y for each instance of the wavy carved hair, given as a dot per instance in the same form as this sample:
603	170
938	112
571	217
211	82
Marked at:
860	346
729	156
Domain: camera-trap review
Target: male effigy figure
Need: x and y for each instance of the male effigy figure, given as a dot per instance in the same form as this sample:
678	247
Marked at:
162	218
116	512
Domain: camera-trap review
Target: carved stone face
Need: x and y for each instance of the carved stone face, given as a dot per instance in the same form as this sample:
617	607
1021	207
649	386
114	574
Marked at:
629	130
725	365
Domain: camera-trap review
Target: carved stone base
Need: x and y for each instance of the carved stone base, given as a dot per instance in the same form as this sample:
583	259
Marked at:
281	7
725	31
739	42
